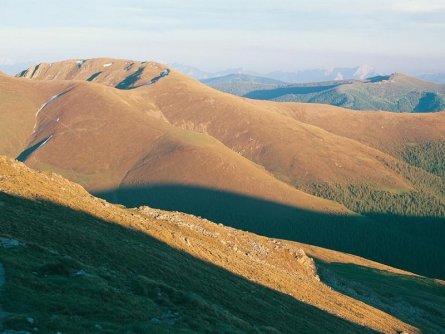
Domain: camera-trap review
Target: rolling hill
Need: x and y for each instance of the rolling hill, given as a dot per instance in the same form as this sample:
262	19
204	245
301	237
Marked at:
75	263
396	92
285	170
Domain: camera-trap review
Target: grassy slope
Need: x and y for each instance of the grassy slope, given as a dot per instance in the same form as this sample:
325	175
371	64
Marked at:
141	271
137	137
19	103
292	151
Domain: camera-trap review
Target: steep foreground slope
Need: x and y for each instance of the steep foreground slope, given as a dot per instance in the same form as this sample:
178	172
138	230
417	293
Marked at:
74	263
177	144
396	92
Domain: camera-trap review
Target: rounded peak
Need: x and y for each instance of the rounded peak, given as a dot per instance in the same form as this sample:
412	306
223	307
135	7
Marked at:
119	73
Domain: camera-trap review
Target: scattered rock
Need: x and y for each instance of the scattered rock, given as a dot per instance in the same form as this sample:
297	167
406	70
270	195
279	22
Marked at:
98	327
11	331
305	260
259	249
30	320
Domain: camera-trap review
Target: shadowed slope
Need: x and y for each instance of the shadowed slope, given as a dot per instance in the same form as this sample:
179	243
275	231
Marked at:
381	288
68	232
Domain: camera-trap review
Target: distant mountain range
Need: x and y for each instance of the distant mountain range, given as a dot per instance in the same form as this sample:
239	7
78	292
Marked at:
396	92
433	77
311	75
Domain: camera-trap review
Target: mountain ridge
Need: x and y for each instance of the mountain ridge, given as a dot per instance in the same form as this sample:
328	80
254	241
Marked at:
306	169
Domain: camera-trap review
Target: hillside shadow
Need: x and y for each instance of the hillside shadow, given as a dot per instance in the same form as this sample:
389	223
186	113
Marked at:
410	243
267	94
30	150
422	302
131	277
378	78
94	76
129	81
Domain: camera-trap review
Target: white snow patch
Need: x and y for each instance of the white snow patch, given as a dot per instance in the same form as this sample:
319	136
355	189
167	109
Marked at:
46	140
108	65
48	102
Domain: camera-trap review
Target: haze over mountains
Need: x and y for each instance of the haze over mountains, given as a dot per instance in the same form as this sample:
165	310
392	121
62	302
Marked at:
310	75
360	72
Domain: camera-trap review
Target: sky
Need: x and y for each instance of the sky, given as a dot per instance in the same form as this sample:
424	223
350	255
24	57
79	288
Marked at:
261	35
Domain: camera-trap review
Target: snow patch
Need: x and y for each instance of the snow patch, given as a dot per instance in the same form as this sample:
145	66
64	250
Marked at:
48	102
108	64
80	62
46	140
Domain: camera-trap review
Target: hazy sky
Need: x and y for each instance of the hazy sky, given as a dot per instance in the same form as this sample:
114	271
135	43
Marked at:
259	35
